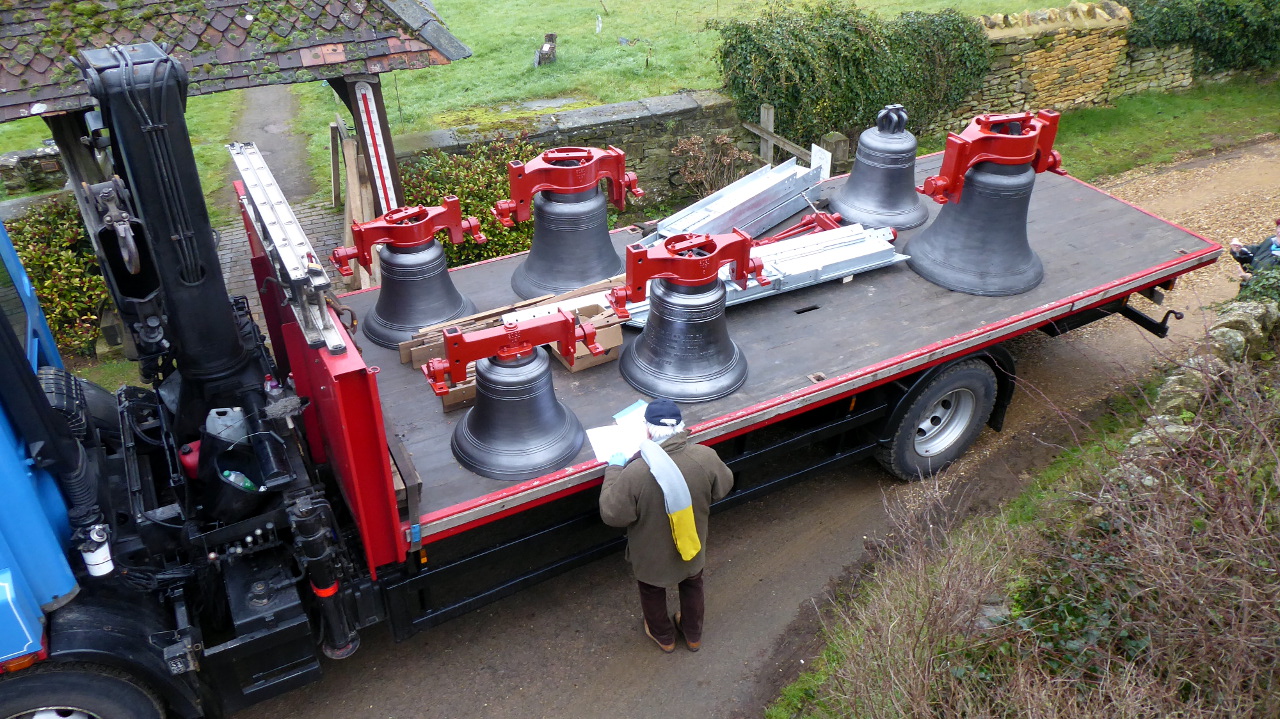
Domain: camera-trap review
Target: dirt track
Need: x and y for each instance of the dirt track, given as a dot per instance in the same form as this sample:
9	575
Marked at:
572	646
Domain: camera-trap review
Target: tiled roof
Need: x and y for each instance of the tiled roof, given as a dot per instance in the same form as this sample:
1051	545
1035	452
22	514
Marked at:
225	44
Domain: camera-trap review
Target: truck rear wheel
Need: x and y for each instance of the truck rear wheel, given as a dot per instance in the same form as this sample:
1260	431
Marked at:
75	691
942	421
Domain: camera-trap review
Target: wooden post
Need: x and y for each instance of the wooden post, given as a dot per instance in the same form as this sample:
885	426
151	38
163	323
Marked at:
838	145
362	95
335	162
766	121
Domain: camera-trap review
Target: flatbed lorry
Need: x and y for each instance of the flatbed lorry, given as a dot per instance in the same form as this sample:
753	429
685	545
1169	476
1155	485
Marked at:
212	600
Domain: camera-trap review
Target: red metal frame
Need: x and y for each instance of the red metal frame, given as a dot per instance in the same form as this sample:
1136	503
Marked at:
985	140
937	353
405	227
510	341
543	173
687	260
809	224
343	422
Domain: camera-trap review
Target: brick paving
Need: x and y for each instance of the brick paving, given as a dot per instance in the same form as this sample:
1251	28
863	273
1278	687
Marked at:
323	226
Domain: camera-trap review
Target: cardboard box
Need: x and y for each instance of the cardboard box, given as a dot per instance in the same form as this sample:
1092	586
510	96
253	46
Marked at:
608	335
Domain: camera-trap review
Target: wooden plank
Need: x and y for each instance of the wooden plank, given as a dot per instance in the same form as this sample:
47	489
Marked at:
335	164
801	154
354	207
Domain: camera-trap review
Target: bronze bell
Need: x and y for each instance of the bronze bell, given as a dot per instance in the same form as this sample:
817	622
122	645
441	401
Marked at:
416	292
517	429
684	352
979	246
571	246
880	190
416	288
978	243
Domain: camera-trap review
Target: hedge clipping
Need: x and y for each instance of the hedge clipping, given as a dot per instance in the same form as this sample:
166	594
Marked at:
832	66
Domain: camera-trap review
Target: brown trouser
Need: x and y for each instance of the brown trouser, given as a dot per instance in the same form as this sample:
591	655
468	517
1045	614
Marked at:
653	603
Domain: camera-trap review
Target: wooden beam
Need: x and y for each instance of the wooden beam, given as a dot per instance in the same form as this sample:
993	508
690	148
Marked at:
782	142
335	162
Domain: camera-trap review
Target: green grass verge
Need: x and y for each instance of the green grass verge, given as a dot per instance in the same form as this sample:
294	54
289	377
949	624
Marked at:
1047	500
210	121
108	370
1156	127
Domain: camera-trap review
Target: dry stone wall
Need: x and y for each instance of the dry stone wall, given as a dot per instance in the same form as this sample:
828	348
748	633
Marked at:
1064	58
646	130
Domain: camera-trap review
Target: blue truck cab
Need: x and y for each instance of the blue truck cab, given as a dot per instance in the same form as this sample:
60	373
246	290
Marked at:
35	575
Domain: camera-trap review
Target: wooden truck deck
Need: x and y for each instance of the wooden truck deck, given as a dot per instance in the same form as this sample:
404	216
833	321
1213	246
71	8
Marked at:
878	325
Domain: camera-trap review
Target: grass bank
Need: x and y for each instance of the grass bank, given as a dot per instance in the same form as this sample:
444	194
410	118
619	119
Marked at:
1120	583
210	121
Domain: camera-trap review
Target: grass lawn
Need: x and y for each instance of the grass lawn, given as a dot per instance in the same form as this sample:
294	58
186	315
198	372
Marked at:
1154	127
210	119
642	49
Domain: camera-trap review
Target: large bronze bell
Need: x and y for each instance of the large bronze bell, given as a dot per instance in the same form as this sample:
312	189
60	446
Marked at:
416	288
880	190
517	429
684	352
979	245
571	246
416	292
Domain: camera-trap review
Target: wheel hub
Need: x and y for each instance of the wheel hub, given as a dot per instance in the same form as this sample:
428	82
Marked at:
945	422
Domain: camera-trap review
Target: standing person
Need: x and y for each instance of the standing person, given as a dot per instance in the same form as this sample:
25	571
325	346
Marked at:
663	497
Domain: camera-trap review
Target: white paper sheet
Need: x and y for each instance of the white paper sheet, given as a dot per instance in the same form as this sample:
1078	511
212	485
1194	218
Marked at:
624	436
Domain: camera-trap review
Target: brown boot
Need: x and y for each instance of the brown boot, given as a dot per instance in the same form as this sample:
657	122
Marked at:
668	648
692	645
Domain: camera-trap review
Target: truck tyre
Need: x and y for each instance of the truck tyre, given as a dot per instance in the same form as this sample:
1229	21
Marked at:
941	422
75	691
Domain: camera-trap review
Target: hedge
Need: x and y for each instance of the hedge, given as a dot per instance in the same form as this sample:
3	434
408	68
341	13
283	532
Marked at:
58	257
832	66
1225	34
479	179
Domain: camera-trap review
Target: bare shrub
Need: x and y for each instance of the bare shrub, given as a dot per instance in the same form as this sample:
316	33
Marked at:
709	166
1157	595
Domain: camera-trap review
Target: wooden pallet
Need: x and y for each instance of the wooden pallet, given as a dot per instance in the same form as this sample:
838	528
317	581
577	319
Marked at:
428	343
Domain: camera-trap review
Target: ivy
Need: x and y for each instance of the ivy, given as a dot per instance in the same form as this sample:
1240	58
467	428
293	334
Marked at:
59	259
479	179
832	66
1225	34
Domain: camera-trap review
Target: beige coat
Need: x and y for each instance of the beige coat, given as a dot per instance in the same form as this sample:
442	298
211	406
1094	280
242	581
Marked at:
631	498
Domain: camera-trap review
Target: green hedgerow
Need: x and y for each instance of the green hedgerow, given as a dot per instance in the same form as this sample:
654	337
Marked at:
60	260
832	66
1226	34
479	180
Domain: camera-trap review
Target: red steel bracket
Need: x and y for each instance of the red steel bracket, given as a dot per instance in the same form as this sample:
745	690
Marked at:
817	222
512	340
988	139
405	227
551	171
688	259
